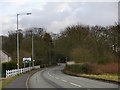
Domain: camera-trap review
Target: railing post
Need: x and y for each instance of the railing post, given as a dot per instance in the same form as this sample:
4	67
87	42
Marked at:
10	73
22	70
6	73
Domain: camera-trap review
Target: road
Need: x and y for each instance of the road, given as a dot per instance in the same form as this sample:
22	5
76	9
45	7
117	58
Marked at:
54	78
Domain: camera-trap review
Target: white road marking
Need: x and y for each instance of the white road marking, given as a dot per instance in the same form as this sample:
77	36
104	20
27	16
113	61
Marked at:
56	77
63	80
75	84
50	75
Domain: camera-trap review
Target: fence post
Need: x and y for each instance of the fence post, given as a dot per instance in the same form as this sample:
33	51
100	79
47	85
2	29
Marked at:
22	70
13	72
10	73
6	73
29	68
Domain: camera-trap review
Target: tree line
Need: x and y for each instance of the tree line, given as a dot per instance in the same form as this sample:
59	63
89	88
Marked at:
42	46
89	44
79	43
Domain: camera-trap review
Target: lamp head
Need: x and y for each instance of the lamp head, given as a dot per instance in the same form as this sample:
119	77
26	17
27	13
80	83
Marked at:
29	13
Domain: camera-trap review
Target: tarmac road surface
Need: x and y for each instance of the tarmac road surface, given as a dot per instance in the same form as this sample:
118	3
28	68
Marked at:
54	78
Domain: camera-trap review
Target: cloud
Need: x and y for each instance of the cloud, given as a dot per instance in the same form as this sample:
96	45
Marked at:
55	16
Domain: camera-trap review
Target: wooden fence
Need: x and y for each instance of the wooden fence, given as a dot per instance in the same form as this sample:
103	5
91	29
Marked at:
11	73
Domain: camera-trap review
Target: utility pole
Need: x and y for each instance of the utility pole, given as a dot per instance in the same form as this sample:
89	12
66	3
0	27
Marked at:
32	50
50	53
32	45
18	40
17	46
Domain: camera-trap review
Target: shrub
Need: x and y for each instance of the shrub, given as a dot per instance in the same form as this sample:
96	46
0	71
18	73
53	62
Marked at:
79	68
80	55
43	65
111	68
102	60
8	66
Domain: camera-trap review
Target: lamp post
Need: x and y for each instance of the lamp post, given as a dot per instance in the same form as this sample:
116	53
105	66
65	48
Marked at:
33	63
32	51
18	40
32	46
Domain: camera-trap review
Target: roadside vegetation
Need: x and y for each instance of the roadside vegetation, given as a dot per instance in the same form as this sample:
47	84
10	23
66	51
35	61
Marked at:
107	76
43	44
8	66
95	50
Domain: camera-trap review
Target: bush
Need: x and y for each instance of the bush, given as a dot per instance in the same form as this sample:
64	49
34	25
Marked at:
79	68
80	55
102	60
43	65
38	62
111	68
8	66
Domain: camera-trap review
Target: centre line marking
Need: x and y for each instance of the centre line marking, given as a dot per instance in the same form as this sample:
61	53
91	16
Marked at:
56	77
50	75
63	80
75	84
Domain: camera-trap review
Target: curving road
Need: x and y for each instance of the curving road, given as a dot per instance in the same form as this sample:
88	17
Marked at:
54	78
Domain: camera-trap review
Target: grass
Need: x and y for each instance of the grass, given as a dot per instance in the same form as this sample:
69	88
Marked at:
5	82
103	76
111	77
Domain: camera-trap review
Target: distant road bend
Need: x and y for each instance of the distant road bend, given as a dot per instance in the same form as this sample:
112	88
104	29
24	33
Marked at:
54	78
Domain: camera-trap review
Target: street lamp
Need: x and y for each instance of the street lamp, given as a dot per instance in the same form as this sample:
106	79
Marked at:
32	47
18	40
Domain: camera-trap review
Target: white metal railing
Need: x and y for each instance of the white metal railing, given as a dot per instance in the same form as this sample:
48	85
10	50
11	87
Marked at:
11	73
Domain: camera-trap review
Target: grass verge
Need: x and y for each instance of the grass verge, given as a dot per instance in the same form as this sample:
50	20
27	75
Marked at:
110	77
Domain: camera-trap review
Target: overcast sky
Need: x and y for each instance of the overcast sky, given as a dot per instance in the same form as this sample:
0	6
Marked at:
54	16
